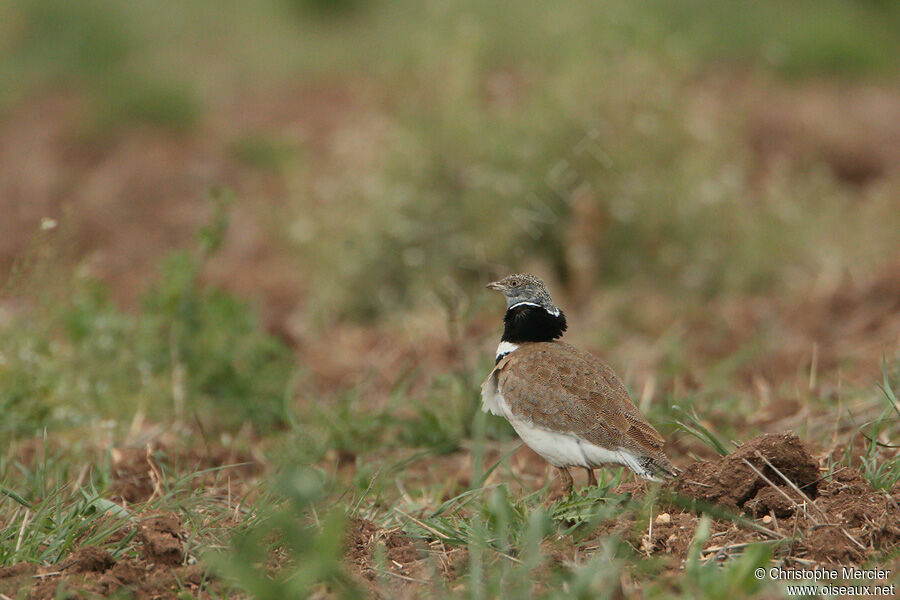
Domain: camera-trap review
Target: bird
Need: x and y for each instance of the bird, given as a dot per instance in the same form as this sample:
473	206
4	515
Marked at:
564	403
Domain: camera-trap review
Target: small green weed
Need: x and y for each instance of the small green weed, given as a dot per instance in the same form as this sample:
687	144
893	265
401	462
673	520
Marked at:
880	463
691	424
307	536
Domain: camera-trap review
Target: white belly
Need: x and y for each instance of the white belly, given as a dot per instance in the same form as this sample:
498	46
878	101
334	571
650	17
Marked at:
559	449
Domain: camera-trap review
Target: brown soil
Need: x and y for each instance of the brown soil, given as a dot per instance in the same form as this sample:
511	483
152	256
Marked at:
853	130
158	573
836	519
123	203
91	559
408	562
136	476
364	536
157	564
161	540
17	577
139	473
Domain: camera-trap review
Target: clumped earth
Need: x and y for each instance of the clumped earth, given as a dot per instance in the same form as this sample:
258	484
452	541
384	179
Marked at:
837	518
740	480
138	473
374	552
782	494
158	565
157	572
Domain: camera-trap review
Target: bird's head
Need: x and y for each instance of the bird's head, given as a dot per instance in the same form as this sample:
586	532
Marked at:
525	289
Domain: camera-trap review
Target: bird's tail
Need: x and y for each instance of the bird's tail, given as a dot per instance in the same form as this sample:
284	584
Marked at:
656	468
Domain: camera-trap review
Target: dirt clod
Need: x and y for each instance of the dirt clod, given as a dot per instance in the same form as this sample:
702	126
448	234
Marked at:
837	519
769	500
91	559
134	474
364	536
828	544
161	540
17	570
123	573
733	483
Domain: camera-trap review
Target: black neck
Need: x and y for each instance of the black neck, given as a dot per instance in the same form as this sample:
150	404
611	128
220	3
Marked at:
526	323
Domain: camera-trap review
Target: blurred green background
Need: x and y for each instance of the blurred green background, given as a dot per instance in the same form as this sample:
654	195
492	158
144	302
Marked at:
397	143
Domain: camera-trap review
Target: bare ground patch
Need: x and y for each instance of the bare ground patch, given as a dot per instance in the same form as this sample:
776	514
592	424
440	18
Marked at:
159	570
774	481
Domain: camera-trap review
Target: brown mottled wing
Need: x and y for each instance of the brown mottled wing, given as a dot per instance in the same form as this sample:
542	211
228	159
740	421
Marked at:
558	387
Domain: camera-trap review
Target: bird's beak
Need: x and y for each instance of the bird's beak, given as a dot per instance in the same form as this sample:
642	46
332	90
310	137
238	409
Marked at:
495	285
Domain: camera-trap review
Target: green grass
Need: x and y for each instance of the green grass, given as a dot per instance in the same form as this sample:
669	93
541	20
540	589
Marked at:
313	548
169	106
56	505
879	463
193	353
690	423
798	40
